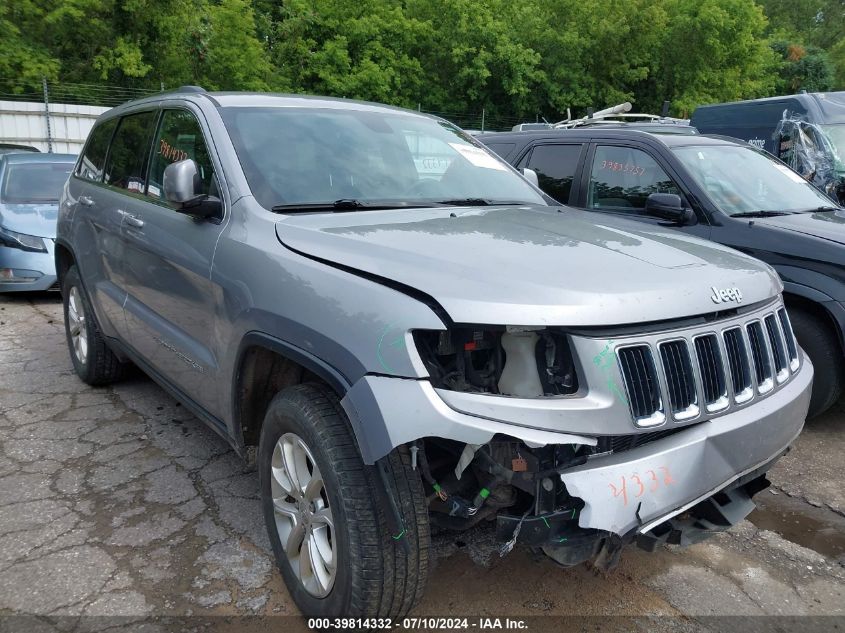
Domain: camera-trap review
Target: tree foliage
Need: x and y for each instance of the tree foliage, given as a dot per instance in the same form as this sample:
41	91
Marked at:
513	58
802	68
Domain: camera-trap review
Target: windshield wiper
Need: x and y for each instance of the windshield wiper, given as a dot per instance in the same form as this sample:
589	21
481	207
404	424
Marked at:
344	204
478	202
759	214
825	207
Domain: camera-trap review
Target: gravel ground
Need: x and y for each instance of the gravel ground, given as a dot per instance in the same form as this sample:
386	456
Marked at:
118	502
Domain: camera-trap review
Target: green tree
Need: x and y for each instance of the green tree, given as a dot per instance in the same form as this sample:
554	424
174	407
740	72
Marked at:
227	53
802	68
713	50
814	23
364	50
475	57
23	62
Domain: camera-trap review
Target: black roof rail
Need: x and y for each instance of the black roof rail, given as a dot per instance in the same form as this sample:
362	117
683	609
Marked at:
190	89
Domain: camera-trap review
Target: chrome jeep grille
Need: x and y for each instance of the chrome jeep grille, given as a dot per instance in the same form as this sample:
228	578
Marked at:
709	369
641	381
680	378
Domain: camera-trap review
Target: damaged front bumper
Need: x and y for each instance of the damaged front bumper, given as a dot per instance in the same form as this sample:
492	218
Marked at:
639	489
678	490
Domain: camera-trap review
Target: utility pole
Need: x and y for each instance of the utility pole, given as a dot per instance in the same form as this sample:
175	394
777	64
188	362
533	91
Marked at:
482	120
47	115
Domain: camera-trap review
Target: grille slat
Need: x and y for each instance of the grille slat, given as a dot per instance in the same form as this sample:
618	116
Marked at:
738	361
762	361
712	370
677	368
791	345
640	376
777	345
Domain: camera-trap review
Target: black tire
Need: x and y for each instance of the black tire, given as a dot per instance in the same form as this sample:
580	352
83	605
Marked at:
99	366
375	577
821	344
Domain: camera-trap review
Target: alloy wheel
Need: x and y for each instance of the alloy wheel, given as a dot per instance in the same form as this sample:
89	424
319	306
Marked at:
76	325
303	516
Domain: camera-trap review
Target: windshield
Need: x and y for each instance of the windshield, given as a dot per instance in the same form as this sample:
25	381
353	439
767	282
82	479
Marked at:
836	134
34	182
294	156
741	180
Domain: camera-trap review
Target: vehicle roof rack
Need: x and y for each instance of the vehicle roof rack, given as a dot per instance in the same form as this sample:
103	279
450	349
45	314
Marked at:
190	88
620	113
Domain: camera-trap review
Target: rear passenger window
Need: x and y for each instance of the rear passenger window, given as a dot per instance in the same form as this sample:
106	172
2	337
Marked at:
179	137
623	177
94	155
127	161
555	166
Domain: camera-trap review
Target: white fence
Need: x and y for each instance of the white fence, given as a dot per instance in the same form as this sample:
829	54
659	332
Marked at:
64	131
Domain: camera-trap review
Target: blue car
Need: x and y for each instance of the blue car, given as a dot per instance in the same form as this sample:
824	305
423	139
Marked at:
30	186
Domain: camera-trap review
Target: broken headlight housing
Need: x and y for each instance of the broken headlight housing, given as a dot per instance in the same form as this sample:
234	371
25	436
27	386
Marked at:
512	361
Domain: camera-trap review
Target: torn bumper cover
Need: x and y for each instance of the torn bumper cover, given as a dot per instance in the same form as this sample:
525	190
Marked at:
638	490
386	412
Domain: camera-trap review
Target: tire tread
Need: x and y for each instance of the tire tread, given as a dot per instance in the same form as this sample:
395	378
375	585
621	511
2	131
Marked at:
385	581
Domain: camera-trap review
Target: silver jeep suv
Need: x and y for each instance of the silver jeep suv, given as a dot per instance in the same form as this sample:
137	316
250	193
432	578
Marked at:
411	334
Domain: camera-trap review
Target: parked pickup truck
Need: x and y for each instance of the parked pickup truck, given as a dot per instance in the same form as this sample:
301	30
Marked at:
406	346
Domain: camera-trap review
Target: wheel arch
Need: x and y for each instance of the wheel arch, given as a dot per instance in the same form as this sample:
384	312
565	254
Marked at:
64	259
815	302
264	366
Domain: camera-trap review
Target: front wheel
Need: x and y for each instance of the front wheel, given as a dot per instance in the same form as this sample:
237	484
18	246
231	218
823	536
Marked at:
325	517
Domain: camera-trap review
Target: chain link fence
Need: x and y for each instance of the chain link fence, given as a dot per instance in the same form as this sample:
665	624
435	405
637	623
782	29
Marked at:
71	93
111	95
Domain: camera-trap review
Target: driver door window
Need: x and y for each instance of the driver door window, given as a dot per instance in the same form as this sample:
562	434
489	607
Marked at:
179	137
623	177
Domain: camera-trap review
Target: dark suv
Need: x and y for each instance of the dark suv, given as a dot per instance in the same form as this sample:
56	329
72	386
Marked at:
715	188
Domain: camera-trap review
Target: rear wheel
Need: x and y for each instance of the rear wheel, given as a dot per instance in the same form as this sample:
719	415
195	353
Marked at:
92	359
818	340
324	515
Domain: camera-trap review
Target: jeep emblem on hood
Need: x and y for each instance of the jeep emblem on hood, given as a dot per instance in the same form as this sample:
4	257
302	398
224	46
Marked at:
723	295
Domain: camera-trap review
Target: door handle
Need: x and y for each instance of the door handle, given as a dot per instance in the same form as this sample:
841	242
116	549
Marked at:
131	220
86	201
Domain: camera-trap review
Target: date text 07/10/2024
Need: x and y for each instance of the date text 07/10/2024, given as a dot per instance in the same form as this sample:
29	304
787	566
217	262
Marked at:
419	623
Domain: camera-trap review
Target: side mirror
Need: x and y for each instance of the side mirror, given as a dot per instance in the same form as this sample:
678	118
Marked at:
531	176
181	183
670	207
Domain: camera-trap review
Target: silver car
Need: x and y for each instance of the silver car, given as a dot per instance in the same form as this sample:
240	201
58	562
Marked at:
405	332
30	185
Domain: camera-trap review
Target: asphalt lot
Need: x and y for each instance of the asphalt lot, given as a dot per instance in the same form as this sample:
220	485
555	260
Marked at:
117	502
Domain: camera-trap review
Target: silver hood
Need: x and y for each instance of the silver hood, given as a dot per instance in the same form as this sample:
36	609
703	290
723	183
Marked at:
533	266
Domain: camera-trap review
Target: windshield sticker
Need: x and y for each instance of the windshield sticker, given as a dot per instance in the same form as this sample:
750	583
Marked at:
628	168
477	156
792	175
